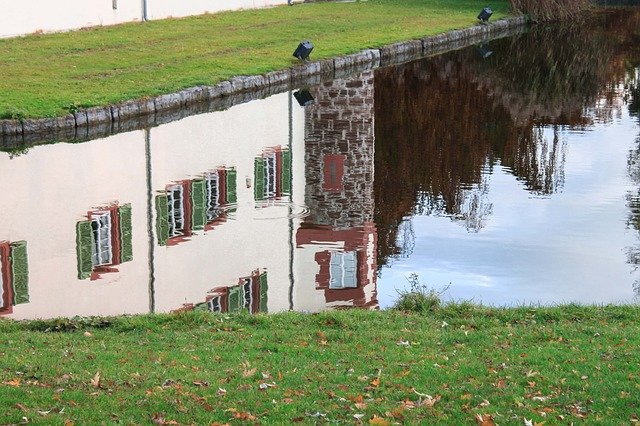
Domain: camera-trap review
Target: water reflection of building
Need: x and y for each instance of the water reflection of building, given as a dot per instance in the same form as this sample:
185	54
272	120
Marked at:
339	233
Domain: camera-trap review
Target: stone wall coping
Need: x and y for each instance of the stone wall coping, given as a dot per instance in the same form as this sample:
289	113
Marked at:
146	112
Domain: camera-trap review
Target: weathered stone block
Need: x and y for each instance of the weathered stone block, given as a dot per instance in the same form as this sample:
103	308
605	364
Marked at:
130	109
399	52
277	78
11	127
193	95
98	115
168	101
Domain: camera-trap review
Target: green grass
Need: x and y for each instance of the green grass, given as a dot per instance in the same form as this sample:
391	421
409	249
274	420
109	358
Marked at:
49	75
558	365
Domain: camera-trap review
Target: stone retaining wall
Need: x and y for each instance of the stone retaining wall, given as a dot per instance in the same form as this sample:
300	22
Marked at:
142	113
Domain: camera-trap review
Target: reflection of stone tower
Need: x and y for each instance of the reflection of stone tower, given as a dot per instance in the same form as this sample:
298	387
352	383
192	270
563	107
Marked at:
339	159
339	145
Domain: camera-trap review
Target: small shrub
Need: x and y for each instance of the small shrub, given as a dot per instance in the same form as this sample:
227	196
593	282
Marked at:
419	298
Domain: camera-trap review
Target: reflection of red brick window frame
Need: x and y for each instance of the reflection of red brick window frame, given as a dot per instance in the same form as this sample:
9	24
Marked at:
5	270
333	172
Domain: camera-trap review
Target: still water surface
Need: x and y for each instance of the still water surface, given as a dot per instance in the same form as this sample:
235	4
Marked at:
508	173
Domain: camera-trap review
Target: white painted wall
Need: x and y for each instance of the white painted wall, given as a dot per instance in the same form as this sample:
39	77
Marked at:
29	16
160	9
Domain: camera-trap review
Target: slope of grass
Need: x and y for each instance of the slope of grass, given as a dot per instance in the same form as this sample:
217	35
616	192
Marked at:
457	365
48	75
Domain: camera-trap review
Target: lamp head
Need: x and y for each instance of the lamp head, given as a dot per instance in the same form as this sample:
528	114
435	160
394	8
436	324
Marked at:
485	14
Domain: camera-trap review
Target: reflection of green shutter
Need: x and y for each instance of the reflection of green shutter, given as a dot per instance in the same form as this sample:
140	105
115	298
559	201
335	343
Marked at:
20	272
232	196
126	245
201	307
263	292
84	247
198	201
286	172
258	179
234	298
162	219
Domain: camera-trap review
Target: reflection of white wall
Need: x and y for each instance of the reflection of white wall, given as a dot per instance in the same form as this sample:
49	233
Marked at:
28	16
251	238
52	188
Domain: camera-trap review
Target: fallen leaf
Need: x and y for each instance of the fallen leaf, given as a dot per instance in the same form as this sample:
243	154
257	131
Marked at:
379	421
201	384
249	373
95	382
15	383
241	415
484	403
430	401
87	334
375	382
484	420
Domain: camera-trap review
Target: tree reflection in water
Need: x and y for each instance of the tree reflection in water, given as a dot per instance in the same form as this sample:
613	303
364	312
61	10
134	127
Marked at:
443	123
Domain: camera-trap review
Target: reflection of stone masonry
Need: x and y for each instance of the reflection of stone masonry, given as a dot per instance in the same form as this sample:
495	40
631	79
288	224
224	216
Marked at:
14	275
339	158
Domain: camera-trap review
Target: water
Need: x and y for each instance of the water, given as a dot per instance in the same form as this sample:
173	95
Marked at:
506	178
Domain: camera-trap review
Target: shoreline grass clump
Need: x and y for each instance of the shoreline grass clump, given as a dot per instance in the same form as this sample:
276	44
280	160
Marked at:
419	298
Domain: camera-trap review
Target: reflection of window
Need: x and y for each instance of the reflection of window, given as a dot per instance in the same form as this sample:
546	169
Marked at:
215	304
272	174
101	227
247	294
342	270
103	240
175	204
191	205
333	172
270	181
212	188
14	275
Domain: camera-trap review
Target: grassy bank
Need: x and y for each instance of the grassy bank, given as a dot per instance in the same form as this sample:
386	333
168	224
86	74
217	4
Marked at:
50	75
454	366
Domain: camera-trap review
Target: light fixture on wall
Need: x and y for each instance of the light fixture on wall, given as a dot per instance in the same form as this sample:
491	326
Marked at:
303	97
483	50
485	14
303	50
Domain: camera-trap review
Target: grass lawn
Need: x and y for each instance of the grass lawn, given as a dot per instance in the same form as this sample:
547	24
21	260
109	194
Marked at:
459	365
49	75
